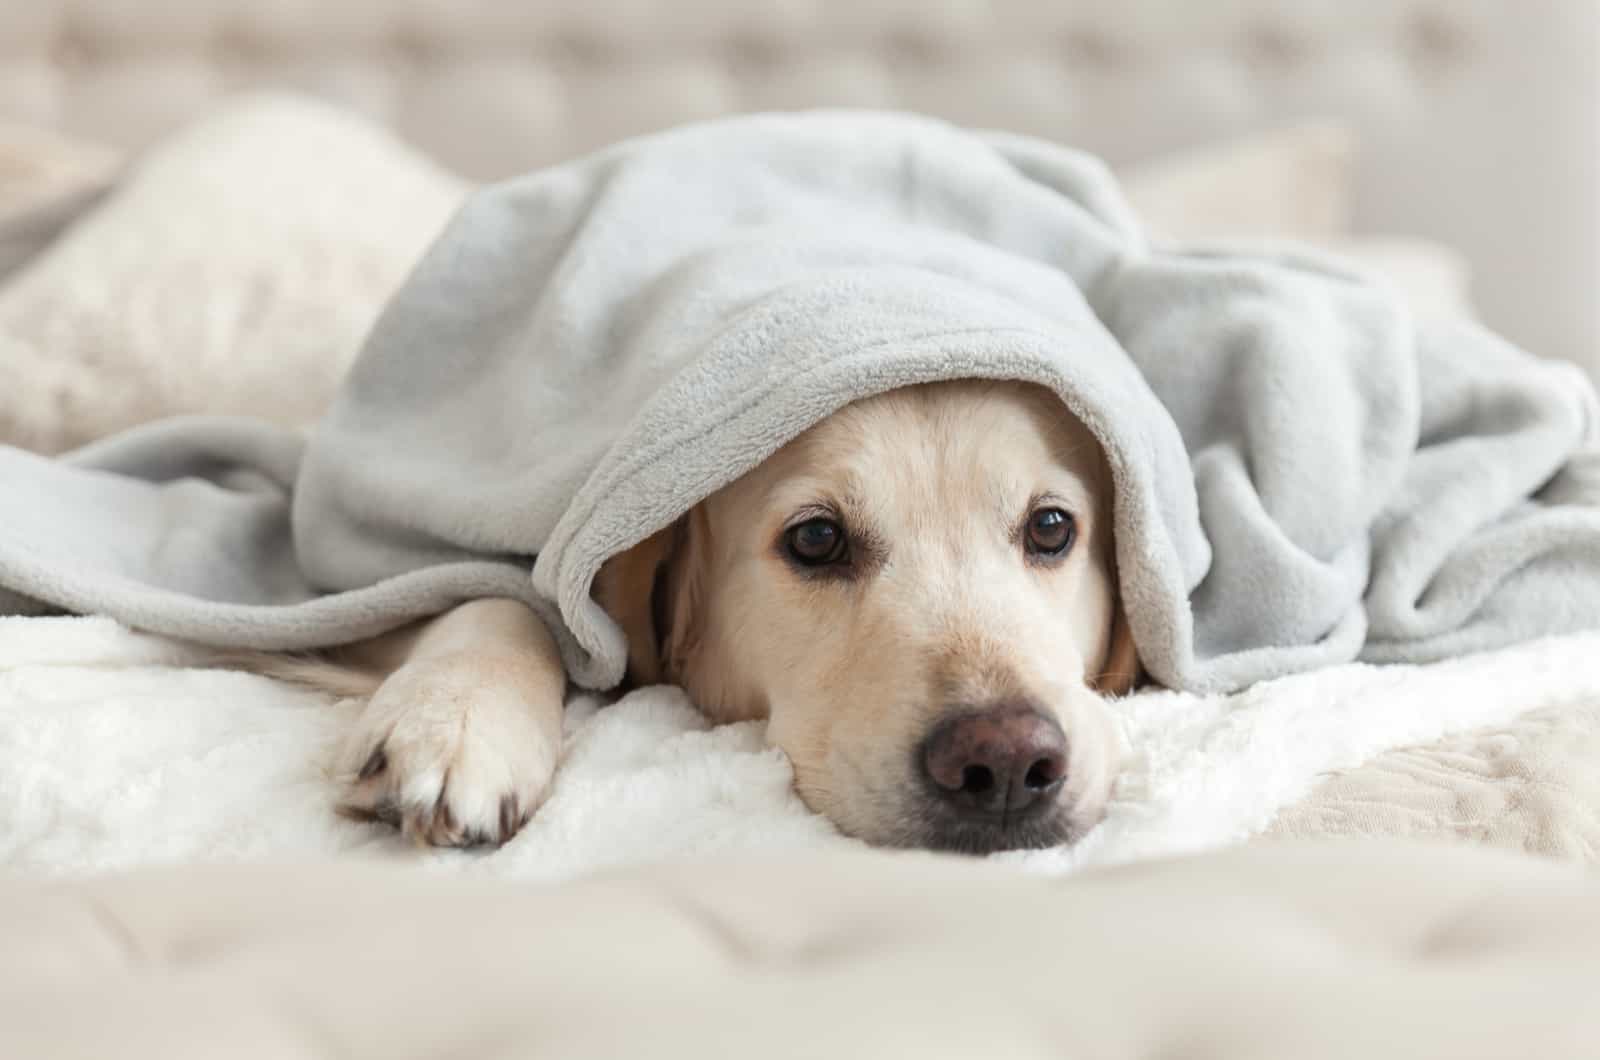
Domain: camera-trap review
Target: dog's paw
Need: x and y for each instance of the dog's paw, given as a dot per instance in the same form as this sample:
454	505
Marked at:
449	751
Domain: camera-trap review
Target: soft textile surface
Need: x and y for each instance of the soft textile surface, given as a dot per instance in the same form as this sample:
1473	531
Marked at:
1532	784
1293	182
1306	951
45	180
1303	474
236	269
239	263
115	752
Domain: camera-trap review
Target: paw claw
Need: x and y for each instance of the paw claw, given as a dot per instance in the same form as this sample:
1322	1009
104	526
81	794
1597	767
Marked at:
384	811
441	818
447	759
510	817
376	763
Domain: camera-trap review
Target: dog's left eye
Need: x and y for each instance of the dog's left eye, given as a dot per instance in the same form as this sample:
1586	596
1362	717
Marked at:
816	542
1051	532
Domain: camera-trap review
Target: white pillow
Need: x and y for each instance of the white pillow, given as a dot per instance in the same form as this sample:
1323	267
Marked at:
235	269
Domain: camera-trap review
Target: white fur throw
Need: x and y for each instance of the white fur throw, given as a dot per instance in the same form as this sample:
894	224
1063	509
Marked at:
114	752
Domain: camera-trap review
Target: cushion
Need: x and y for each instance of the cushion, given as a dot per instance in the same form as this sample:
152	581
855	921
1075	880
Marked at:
235	269
45	181
1288	183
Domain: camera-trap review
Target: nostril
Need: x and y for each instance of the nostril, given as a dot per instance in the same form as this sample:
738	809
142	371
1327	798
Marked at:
996	761
977	779
1043	773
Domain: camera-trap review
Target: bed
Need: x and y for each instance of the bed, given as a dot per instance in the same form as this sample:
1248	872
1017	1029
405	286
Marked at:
292	251
132	190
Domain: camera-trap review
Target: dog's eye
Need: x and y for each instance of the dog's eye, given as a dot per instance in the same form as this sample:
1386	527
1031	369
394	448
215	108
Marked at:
816	542
1051	532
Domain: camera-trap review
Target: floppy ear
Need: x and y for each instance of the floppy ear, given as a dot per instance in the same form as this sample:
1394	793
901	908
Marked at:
1120	671
653	591
624	589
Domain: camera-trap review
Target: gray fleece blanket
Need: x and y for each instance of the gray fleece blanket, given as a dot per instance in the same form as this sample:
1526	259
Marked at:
1304	474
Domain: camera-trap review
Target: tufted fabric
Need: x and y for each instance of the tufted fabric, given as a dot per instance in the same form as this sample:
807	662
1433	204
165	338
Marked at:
1529	785
1478	117
1331	951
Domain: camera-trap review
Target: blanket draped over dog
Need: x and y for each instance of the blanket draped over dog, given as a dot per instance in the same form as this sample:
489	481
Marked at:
1304	474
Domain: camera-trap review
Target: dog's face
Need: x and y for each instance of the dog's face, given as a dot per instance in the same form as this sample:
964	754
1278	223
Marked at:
919	595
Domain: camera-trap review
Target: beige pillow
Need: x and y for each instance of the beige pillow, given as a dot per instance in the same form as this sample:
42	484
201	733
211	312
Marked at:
1290	183
45	181
38	167
235	269
1431	277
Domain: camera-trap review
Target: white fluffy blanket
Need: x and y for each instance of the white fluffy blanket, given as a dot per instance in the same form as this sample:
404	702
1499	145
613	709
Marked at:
119	749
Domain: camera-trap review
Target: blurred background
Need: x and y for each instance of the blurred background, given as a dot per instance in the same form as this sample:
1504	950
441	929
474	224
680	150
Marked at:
1456	142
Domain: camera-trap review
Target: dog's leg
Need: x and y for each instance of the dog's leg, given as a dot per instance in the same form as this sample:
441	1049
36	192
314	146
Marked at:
458	745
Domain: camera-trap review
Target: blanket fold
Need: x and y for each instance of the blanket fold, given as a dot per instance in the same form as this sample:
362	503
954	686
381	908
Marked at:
1304	474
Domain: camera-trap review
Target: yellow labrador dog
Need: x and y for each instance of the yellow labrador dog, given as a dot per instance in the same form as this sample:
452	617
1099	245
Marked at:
918	594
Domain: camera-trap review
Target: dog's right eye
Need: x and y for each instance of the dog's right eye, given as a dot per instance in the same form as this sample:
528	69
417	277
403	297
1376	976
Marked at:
816	542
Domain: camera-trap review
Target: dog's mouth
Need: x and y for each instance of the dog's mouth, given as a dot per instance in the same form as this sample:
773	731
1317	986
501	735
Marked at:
1033	828
930	825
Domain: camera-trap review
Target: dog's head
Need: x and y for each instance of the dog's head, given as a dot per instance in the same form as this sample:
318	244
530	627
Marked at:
919	594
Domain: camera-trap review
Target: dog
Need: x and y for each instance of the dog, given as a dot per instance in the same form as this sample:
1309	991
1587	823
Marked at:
918	595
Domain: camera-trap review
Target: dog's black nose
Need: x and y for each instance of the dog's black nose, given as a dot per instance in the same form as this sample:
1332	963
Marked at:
999	761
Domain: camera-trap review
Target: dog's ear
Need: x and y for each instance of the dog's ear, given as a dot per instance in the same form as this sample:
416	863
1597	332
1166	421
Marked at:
654	591
1120	671
624	589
